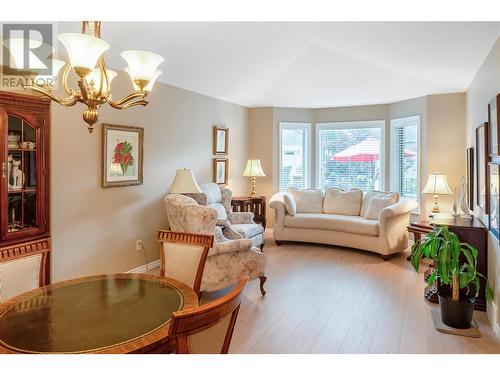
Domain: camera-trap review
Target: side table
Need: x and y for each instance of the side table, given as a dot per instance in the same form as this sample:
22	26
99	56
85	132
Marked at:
257	205
468	230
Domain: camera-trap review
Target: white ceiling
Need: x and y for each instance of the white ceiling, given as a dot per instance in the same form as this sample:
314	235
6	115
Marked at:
308	64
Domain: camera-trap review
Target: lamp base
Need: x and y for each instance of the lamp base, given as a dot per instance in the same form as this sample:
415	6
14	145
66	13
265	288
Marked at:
253	194
435	207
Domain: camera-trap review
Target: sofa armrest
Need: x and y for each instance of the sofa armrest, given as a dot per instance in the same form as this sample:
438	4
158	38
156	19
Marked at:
404	206
276	202
241	217
393	225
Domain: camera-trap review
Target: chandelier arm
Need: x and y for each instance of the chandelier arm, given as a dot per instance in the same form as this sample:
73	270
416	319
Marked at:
126	99
128	104
66	102
65	75
103	77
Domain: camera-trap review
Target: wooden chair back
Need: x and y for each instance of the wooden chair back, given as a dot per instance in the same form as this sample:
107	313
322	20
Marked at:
23	267
208	329
183	256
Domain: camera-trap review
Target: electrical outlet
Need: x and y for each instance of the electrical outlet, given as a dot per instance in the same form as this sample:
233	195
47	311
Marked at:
138	245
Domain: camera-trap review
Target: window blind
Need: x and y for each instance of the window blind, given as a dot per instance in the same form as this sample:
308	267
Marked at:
350	155
294	155
405	158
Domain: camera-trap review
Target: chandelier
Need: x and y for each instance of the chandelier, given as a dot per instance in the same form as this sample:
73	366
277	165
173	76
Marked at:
85	52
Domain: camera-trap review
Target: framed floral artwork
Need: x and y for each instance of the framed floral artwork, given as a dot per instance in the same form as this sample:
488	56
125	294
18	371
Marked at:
221	167
482	159
122	155
494	211
221	140
470	178
493	122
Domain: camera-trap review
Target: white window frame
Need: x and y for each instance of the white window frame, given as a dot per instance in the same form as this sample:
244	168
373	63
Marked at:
361	124
307	148
393	159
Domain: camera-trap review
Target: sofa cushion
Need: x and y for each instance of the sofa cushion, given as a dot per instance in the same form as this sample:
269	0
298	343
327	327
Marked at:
248	230
290	205
376	205
370	194
341	223
221	211
212	191
342	202
307	200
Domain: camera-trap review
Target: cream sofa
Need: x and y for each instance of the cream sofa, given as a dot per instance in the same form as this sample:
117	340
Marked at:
340	218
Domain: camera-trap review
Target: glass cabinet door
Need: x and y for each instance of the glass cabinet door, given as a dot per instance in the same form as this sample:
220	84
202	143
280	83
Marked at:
22	175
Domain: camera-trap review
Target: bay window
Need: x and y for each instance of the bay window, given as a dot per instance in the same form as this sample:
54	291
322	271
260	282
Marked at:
295	155
404	151
350	155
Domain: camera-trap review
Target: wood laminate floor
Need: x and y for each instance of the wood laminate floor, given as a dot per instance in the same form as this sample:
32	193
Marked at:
324	299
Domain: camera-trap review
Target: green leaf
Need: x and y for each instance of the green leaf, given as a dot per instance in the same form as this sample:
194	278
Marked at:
432	278
417	256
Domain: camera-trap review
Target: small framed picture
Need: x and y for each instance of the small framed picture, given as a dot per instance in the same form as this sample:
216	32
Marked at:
221	167
482	159
122	154
470	177
221	140
494	214
493	122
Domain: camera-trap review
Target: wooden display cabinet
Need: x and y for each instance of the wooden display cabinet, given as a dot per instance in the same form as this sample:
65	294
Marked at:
24	162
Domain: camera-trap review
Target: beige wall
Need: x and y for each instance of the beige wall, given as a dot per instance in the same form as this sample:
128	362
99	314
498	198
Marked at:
445	149
94	229
484	87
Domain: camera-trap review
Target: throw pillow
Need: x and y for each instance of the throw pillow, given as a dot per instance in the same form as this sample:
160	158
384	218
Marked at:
380	194
376	205
342	202
307	200
290	205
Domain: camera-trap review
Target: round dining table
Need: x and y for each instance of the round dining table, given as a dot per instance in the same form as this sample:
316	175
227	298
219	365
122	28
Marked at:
121	313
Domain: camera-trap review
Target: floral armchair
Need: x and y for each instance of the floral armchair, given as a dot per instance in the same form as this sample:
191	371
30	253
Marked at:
241	223
230	259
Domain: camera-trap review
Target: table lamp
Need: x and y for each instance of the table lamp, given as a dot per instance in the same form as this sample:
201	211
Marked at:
253	170
184	182
437	185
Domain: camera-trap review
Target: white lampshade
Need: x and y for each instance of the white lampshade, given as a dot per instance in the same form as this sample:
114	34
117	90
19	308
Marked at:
253	169
83	50
95	76
48	79
142	65
436	184
150	84
184	182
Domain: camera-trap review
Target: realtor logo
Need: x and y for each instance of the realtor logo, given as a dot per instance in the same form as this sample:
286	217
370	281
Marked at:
26	53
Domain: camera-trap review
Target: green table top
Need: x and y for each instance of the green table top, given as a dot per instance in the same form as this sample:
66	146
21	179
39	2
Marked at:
89	315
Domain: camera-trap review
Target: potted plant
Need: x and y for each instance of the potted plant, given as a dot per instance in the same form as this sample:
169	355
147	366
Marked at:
454	265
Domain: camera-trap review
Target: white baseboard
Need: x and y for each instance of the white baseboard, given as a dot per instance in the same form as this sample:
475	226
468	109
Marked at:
146	267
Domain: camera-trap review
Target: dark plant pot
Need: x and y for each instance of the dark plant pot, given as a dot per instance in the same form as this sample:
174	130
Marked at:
456	314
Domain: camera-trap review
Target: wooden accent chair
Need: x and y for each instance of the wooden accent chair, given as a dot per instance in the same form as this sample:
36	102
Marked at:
208	329
23	267
183	256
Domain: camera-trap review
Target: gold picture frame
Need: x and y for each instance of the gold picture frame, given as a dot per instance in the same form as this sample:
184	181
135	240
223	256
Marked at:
122	155
220	170
220	140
